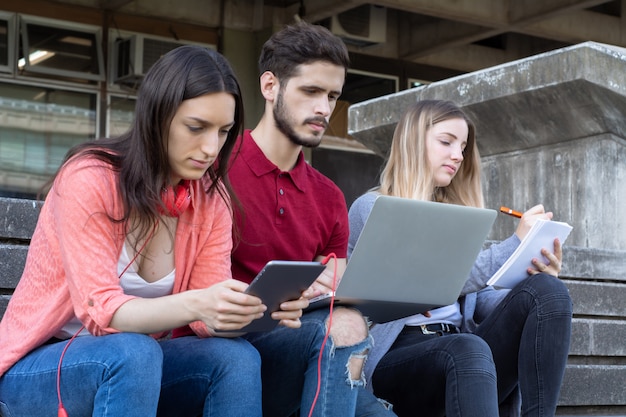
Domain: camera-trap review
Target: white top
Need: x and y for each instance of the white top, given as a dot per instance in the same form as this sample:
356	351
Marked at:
448	314
133	284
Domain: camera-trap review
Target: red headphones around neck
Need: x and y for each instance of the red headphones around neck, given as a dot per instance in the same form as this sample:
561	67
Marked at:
176	199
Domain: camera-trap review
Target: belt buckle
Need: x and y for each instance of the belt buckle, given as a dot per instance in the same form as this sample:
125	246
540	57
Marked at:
425	330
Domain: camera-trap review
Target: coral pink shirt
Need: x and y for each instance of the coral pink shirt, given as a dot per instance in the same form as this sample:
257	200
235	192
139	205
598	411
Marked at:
71	266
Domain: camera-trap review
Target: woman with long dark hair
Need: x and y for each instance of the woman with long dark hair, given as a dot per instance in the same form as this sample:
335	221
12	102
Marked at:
133	240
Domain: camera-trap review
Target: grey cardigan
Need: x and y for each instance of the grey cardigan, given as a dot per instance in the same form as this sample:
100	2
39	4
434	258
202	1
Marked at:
477	300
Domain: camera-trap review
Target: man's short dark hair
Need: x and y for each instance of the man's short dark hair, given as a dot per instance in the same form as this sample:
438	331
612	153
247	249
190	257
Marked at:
301	43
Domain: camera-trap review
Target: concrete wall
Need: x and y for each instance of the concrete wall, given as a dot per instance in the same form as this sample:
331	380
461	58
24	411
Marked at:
551	129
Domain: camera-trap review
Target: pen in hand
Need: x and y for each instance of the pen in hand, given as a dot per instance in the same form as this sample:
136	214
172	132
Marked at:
510	212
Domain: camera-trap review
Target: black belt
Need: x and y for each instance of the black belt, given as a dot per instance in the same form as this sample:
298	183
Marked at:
433	328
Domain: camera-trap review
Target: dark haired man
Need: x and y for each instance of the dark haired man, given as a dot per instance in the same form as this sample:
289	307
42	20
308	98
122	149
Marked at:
293	212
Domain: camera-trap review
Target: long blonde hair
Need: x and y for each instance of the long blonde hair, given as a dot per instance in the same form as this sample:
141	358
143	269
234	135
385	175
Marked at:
407	172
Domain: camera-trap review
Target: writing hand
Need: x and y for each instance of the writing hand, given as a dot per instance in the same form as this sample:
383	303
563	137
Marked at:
529	218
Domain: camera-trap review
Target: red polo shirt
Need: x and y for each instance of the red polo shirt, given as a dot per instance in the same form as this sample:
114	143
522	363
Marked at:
288	215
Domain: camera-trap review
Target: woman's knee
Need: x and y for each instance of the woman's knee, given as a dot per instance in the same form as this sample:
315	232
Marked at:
134	353
220	352
546	283
550	290
245	353
229	361
468	342
471	352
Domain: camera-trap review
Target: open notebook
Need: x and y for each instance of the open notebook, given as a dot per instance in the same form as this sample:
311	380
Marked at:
541	235
411	257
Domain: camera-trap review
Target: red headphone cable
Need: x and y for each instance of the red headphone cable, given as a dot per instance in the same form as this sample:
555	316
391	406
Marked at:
330	322
62	412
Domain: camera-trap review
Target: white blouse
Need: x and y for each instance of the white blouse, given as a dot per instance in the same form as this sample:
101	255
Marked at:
133	284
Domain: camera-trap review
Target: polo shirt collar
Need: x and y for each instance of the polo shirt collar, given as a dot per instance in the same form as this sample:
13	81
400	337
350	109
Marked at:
260	165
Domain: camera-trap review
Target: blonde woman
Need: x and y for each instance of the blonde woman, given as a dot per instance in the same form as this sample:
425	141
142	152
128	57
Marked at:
466	359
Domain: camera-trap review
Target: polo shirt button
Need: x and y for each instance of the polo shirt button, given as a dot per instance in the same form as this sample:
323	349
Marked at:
281	191
281	211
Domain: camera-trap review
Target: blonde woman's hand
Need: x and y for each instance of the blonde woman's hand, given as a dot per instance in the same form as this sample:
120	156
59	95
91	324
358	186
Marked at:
529	218
551	265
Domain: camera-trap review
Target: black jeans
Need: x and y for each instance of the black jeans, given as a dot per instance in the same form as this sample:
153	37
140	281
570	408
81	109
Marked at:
431	375
526	339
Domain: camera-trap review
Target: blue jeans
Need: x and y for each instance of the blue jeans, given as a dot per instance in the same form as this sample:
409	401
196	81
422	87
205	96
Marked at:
430	375
368	405
289	370
529	336
130	374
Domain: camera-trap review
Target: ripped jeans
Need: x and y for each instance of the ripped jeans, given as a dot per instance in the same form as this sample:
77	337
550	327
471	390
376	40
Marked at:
289	370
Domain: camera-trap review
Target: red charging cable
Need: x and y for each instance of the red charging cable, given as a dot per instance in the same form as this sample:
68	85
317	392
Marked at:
62	412
330	322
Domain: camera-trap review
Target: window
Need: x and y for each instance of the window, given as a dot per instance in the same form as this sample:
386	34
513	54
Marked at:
415	83
362	85
39	125
7	42
54	49
132	54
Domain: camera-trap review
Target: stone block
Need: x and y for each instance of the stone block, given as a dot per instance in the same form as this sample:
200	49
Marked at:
581	342
594	263
12	261
609	339
572	179
598	298
598	338
18	217
588	385
4	300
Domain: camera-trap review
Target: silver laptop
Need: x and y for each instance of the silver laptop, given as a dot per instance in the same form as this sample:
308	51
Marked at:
411	257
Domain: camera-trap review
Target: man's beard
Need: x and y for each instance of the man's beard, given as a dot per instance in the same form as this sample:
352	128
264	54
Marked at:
281	119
